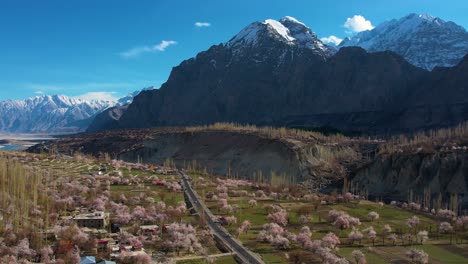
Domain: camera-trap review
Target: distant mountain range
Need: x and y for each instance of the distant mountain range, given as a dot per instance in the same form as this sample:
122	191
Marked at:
54	114
423	40
279	73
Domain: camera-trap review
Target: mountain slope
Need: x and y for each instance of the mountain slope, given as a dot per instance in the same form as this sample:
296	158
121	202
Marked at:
109	117
423	40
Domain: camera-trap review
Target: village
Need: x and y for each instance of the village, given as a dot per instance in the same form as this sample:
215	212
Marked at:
96	212
79	209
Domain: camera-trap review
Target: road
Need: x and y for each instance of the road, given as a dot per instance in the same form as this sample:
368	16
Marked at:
235	245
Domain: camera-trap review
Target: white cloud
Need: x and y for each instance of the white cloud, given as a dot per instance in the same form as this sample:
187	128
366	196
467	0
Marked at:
358	23
105	96
137	51
332	40
202	24
39	92
164	44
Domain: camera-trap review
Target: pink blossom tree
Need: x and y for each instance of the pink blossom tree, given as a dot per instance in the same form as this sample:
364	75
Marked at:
414	206
306	230
342	222
140	258
354	222
23	250
446	228
182	237
422	236
244	227
280	242
393	237
99	204
371	234
373	216
252	203
139	214
348	196
359	257
446	214
280	217
418	256
330	240
304	219
46	253
270	231
355	235
385	231
413	222
260	194
303	239
231	220
334	214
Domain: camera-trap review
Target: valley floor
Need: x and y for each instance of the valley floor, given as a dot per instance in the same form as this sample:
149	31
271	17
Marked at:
144	216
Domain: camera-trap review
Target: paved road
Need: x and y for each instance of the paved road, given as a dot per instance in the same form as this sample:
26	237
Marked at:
245	255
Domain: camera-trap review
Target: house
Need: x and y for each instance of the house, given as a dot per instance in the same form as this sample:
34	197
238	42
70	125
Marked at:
88	260
159	183
96	220
64	246
102	244
106	262
147	230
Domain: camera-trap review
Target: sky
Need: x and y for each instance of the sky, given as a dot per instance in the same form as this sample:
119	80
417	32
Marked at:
105	49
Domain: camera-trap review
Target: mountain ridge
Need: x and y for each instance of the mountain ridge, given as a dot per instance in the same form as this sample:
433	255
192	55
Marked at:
54	113
424	40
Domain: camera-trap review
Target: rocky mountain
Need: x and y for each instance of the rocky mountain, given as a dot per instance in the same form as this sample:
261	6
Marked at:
56	113
110	116
278	73
423	40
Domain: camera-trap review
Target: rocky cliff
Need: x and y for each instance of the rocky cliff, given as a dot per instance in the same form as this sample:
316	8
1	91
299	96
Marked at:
392	176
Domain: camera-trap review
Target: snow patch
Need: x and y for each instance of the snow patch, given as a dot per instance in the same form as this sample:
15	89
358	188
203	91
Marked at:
292	19
248	35
280	29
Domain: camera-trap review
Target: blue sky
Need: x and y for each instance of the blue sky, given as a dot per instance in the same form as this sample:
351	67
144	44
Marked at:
103	49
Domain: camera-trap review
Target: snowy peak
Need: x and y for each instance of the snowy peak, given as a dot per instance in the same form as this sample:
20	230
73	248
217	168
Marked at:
303	35
424	40
287	30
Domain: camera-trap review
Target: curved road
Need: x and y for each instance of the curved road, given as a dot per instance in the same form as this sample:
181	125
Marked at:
244	254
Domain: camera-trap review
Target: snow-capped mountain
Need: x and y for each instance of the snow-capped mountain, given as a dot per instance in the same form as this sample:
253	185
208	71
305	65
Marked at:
287	30
423	40
53	113
47	113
